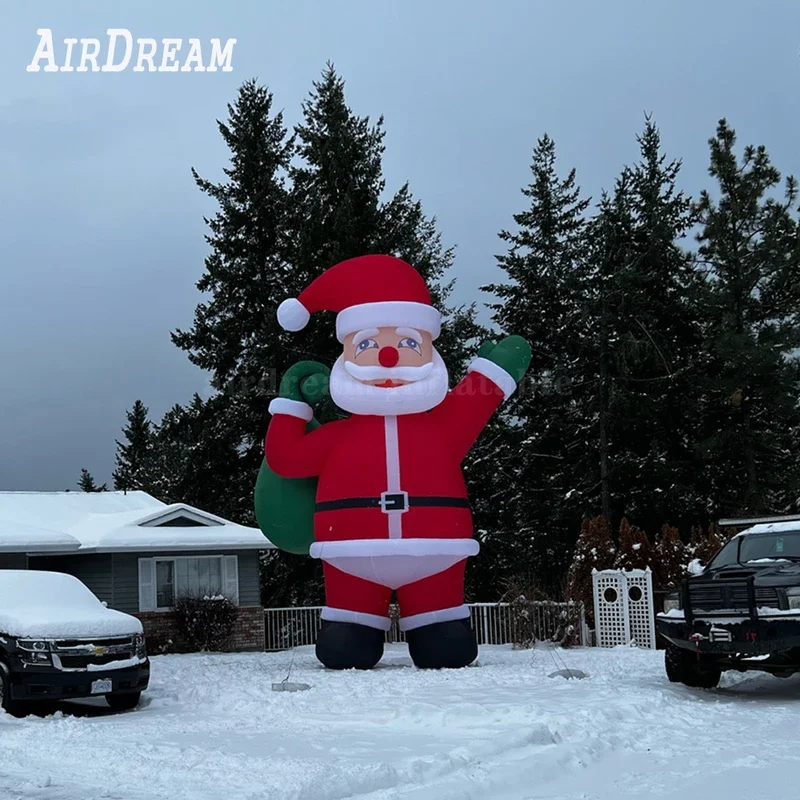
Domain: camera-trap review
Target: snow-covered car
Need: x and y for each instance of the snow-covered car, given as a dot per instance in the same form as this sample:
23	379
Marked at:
741	613
59	642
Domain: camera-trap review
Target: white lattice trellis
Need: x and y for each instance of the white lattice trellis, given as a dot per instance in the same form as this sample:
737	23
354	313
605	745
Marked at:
623	608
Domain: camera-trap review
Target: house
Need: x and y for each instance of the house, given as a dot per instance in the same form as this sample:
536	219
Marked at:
137	554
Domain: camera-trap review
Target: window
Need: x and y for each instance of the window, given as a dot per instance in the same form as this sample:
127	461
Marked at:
163	580
181	522
728	556
165	583
778	545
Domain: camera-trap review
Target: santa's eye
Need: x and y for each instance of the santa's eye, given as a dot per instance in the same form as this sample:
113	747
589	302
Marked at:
365	344
411	343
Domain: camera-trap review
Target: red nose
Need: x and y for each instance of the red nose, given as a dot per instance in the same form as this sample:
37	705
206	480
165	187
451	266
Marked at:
388	356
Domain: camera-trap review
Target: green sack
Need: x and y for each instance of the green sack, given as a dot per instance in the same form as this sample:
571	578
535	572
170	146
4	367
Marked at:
285	508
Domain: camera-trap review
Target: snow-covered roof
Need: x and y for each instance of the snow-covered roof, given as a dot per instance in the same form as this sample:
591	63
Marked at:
18	537
108	522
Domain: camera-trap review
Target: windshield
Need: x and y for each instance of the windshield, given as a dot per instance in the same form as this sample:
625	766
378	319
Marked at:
771	546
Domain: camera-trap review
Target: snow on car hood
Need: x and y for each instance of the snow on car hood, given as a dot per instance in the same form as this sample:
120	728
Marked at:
38	604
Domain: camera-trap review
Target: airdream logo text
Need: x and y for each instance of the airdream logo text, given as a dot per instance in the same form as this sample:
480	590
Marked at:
151	55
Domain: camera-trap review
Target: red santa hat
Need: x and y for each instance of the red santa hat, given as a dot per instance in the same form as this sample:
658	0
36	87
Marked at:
365	292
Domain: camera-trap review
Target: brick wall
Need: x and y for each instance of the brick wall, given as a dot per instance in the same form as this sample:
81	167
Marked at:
162	634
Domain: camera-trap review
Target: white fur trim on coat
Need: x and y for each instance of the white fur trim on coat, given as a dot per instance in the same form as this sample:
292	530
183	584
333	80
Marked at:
495	373
294	408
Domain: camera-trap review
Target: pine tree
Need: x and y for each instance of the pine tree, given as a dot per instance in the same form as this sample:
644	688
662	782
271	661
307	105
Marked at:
195	460
289	208
749	245
132	457
540	302
235	335
642	346
337	213
86	483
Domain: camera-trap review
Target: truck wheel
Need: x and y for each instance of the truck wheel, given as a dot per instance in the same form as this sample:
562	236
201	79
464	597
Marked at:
123	702
683	667
13	707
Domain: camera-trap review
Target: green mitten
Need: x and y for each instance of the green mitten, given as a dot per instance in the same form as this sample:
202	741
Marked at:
486	348
305	381
513	354
285	506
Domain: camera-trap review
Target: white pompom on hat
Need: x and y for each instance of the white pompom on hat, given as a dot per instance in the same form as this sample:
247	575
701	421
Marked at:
293	315
371	291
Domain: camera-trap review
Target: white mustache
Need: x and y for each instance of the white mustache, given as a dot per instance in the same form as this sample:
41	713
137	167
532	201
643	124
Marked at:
388	373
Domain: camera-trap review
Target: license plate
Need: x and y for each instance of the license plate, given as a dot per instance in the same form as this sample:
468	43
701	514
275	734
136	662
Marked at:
101	687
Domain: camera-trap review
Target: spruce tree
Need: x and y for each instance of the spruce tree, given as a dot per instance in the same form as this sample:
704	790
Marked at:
749	245
87	483
643	347
289	208
235	335
195	459
540	302
133	455
336	213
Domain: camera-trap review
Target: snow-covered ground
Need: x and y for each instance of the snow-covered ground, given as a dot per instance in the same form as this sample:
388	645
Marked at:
210	728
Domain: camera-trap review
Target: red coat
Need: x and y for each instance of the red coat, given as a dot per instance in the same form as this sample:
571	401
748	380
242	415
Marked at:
415	459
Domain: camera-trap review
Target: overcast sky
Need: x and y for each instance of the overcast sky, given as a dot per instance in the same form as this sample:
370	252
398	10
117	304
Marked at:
101	225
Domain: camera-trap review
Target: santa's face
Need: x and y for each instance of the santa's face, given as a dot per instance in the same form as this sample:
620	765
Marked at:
388	371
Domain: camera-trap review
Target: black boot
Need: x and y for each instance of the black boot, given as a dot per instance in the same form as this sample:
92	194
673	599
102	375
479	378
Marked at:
346	645
443	645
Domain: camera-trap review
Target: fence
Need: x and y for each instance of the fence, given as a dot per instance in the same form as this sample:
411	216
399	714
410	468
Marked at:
494	623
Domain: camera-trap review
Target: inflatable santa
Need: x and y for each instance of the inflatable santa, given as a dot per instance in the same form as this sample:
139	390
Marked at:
390	506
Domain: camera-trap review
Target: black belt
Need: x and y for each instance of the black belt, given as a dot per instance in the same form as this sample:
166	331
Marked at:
392	501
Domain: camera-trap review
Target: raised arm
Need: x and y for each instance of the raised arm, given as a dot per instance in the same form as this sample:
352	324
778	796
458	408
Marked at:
290	449
296	446
491	378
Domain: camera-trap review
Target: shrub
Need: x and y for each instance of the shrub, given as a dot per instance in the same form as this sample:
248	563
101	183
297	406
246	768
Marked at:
593	550
159	645
521	596
634	548
670	558
205	622
704	546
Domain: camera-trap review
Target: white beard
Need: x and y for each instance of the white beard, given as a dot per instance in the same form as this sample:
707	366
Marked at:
412	398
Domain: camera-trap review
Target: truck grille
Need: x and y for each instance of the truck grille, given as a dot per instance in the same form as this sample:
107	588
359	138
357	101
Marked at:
68	644
76	654
82	662
718	596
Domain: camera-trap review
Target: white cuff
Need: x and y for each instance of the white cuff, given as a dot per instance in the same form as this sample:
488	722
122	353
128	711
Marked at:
294	408
430	617
495	373
358	617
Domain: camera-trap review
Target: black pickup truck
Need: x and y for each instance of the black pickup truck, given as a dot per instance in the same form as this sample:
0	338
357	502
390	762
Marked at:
741	613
